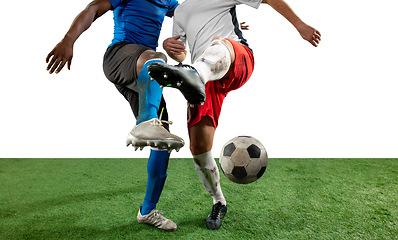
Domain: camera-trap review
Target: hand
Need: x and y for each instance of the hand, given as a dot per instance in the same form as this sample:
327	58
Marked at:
310	34
173	46
244	26
60	55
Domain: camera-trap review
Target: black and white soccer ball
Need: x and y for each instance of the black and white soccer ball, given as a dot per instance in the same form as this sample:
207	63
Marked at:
243	159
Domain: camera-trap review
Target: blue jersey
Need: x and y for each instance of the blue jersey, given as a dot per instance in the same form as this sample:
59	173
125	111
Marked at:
140	21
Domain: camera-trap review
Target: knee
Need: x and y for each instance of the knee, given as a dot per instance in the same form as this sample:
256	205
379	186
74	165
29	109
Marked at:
227	44
199	147
219	38
150	54
159	55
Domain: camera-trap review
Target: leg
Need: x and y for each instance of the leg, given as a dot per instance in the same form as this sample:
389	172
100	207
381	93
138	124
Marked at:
157	174
117	67
149	92
201	136
150	96
202	121
149	130
122	65
157	162
123	62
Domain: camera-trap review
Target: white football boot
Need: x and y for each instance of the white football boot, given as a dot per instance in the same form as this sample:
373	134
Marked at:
156	219
152	133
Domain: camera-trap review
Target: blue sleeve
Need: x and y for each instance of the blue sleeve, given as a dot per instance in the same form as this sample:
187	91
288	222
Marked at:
115	3
173	5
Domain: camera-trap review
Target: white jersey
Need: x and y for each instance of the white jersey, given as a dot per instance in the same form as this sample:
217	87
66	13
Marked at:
199	21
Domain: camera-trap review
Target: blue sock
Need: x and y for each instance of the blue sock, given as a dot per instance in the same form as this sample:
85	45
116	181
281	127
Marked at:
157	174
149	94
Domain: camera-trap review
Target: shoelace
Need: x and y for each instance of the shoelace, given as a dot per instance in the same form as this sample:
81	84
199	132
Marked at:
215	210
163	121
158	215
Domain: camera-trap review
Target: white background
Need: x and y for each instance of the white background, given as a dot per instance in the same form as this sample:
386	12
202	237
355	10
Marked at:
338	100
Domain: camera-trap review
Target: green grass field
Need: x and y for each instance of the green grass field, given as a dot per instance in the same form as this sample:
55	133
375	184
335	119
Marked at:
295	199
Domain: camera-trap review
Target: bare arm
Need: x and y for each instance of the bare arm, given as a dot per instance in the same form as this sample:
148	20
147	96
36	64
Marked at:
175	49
307	32
63	51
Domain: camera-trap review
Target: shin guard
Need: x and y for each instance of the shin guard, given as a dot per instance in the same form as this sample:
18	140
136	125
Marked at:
207	170
149	94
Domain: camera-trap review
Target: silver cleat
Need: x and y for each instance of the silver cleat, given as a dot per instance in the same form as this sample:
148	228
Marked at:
152	133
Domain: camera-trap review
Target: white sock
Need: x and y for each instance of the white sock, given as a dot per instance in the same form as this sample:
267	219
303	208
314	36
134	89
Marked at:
207	170
214	63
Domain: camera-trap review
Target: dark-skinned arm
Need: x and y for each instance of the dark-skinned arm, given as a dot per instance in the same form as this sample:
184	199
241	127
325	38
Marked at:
63	51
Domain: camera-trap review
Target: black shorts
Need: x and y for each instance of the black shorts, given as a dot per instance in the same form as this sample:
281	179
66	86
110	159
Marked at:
120	67
120	63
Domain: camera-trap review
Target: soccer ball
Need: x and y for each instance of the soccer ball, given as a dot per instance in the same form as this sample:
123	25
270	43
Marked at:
243	159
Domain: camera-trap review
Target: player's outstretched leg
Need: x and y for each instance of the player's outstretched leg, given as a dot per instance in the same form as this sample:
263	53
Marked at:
149	130
157	174
183	77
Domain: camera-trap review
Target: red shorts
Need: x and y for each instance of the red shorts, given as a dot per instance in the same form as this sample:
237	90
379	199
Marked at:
216	91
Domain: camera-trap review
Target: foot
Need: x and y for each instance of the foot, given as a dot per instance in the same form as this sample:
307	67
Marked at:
156	219
183	77
216	215
152	133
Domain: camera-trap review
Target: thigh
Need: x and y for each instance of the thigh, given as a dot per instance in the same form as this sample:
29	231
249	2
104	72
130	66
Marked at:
241	69
120	63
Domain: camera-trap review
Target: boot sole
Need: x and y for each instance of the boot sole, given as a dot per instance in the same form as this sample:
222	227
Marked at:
160	144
